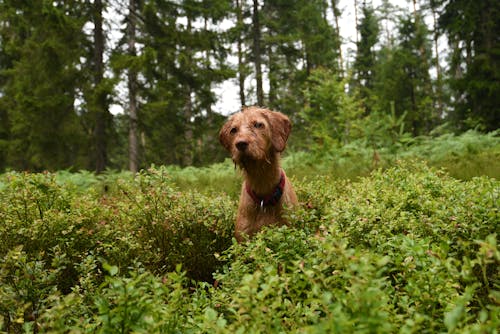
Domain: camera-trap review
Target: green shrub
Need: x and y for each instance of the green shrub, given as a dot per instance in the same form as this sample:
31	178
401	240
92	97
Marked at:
26	285
409	249
176	227
137	302
61	232
406	249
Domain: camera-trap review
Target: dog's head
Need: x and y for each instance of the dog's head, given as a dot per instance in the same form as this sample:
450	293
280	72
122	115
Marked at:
255	134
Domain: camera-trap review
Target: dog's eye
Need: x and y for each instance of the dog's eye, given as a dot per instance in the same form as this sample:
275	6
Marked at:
233	131
258	125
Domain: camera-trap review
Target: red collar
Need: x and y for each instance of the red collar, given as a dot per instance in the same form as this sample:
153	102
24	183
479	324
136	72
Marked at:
271	199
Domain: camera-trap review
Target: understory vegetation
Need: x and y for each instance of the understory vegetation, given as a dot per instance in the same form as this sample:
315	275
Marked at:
381	243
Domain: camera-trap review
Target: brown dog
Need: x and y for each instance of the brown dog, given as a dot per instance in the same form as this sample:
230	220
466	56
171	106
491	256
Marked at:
255	137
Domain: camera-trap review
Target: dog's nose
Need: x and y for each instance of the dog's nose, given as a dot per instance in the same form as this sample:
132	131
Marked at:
241	145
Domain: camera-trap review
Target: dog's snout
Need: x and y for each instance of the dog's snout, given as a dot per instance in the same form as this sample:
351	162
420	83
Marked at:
241	145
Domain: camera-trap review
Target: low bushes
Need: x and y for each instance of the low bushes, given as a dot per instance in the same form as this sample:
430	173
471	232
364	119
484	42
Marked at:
403	250
55	239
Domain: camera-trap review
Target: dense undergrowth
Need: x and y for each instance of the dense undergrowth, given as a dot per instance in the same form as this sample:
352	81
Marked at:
464	157
406	248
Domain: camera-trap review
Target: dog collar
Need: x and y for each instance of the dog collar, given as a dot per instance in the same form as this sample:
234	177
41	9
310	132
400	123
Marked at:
271	199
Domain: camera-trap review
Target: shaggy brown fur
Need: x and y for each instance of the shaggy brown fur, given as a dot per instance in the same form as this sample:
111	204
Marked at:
255	137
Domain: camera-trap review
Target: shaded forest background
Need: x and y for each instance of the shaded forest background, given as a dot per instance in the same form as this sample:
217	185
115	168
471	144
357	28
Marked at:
59	75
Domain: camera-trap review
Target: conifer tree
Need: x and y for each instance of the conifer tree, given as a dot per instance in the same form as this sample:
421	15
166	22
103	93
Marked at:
239	32
99	90
133	142
182	56
472	31
257	51
364	64
336	15
298	39
413	88
41	47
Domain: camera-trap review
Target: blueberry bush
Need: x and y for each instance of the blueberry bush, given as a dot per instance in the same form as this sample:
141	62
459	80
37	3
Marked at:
406	249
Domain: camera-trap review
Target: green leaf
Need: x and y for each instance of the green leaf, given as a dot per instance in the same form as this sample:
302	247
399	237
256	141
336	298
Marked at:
112	270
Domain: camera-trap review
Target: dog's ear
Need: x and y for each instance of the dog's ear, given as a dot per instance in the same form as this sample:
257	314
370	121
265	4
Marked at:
280	129
224	136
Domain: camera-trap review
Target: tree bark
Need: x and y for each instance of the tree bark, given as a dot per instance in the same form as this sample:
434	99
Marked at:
336	15
273	75
133	143
257	52
439	88
100	108
187	156
241	65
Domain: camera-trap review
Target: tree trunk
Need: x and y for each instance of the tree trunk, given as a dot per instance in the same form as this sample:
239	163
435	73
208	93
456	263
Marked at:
356	21
273	75
415	14
439	88
207	68
241	65
100	109
133	143
257	53
187	157
336	15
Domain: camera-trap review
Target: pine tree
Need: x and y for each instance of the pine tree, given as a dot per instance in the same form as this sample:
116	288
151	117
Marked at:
99	90
387	12
439	86
320	47
414	90
41	44
336	15
257	51
133	142
472	31
298	39
182	56
364	63
239	31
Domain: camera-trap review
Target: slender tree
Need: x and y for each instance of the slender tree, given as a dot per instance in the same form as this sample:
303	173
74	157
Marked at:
414	89
433	6
181	59
402	84
98	105
240	52
296	38
472	31
356	21
336	15
257	52
133	143
320	47
187	62
41	47
387	12
364	64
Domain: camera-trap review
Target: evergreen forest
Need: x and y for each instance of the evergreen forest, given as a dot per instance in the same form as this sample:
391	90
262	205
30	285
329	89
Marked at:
118	204
419	68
